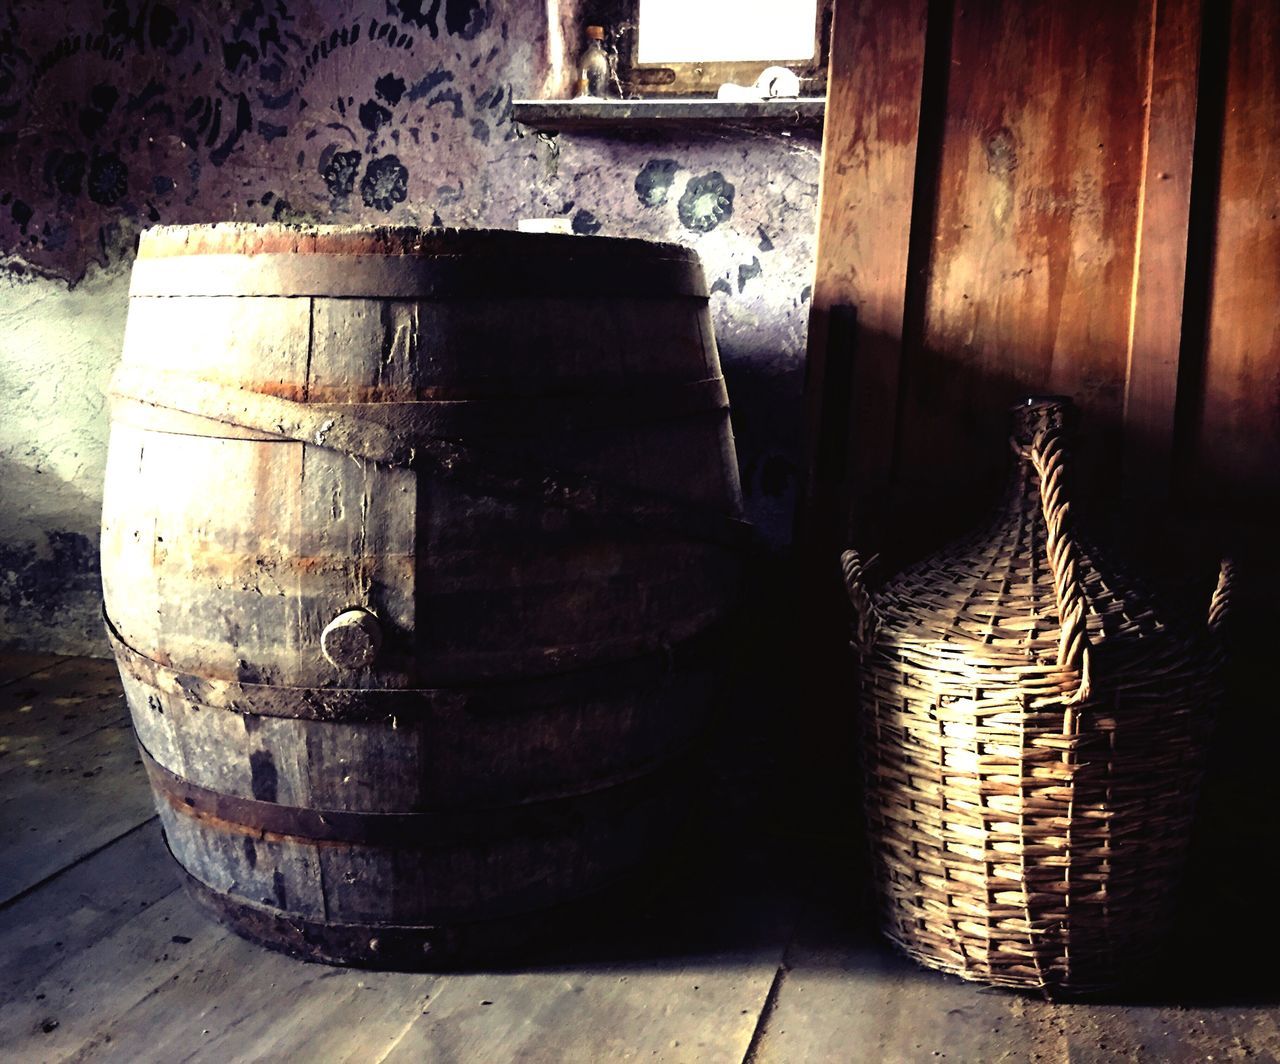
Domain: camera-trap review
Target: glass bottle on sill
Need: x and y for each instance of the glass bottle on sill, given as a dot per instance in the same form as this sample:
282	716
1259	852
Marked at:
594	70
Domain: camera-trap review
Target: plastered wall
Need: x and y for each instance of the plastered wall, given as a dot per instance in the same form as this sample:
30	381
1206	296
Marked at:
123	113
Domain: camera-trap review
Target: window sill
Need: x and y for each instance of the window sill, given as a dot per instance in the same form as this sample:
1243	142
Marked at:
568	116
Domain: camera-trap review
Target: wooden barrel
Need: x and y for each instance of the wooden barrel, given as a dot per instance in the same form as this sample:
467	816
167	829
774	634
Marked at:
415	545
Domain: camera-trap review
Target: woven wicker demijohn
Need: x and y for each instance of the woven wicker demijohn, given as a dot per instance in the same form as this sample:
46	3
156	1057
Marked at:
1033	735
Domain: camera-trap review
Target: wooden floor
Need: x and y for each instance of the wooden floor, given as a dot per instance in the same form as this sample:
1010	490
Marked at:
751	949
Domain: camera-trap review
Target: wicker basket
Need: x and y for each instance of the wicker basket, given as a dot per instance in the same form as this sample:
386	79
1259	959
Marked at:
1033	739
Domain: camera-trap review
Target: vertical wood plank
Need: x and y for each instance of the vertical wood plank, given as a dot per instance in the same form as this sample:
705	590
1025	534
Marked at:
869	162
1236	441
356	514
255	342
1030	274
1155	326
1228	460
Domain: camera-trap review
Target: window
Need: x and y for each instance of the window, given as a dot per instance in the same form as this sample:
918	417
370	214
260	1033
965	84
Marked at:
726	31
692	47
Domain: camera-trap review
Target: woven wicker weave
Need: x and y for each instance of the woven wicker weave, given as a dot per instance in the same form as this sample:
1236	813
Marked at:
1033	738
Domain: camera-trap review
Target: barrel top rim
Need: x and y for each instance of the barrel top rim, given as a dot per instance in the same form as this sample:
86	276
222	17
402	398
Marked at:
248	238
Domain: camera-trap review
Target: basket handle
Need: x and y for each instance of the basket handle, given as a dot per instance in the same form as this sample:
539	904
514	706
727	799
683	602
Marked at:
1048	456
1220	600
866	618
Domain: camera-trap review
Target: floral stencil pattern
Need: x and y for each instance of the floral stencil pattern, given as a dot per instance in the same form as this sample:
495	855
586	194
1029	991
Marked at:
385	183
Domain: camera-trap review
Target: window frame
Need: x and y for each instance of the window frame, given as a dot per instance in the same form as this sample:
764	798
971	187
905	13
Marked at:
621	19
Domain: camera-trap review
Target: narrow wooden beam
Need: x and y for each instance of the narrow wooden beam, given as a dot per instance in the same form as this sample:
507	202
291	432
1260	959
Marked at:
1160	260
864	225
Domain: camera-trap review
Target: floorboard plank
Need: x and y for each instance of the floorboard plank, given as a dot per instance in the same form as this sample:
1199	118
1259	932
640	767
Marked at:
239	1002
846	995
111	961
57	705
75	910
854	996
697	1009
674	968
90	988
57	808
15	664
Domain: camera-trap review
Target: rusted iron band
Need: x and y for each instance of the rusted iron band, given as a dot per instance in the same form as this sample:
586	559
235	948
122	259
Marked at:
397	947
393	948
491	278
344	704
233	814
471	418
260	238
496	472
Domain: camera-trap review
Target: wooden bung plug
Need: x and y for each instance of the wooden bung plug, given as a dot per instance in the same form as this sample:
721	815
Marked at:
352	639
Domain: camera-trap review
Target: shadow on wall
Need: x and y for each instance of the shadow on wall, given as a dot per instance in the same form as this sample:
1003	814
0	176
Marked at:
766	415
57	350
935	468
50	587
140	112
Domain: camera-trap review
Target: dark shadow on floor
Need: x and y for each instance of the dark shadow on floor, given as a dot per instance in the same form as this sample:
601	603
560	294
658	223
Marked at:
776	848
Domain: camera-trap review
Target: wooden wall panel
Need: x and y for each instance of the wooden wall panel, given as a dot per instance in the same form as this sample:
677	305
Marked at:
1160	269
869	162
1031	266
1091	209
1096	212
1235	461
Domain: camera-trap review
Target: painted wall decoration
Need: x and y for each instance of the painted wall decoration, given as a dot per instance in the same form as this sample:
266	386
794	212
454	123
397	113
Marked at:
118	114
138	111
